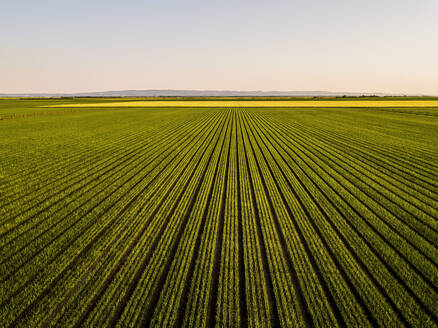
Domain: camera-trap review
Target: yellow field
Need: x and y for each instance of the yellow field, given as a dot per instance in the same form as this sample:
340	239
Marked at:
261	103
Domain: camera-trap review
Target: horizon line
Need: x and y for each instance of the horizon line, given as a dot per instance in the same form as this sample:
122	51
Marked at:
306	92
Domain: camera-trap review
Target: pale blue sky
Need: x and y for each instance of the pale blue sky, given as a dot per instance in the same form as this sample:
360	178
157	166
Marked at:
364	46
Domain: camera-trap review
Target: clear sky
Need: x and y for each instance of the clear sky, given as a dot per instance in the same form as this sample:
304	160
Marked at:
351	45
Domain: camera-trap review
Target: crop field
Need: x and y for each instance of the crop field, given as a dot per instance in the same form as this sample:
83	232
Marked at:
260	103
117	214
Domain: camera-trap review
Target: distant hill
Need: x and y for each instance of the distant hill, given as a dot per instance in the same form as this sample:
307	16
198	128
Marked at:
201	93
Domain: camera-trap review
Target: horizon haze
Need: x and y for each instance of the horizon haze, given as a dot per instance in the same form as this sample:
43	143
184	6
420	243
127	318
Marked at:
210	93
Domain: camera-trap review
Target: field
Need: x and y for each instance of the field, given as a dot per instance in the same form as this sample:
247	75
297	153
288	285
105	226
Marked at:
260	103
118	213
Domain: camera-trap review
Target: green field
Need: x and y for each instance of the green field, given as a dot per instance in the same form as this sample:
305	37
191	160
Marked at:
226	216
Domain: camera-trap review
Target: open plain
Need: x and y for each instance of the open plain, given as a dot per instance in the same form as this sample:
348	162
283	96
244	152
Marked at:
219	213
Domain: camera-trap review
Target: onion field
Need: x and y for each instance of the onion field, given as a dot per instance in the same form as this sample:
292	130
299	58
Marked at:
226	216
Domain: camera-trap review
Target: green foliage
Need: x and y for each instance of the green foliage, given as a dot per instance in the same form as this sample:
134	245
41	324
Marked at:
232	217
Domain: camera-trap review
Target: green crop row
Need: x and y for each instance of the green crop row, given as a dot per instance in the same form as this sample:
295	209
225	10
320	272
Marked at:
218	217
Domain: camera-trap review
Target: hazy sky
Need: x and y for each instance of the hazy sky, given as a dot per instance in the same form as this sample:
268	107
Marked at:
364	46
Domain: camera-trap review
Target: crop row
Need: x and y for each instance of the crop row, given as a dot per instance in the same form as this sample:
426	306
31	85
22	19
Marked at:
232	217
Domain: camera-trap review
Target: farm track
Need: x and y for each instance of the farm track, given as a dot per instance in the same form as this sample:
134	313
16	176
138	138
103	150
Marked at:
232	217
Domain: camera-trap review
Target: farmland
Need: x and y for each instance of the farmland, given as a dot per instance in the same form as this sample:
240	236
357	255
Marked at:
261	103
125	213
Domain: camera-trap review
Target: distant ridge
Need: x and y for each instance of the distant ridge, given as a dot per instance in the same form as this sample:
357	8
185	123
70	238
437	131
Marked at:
202	93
